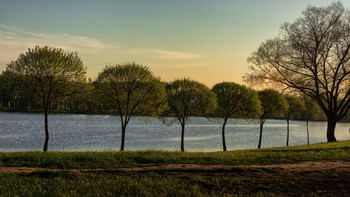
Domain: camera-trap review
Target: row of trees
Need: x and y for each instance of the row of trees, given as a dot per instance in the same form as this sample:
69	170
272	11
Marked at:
48	75
311	57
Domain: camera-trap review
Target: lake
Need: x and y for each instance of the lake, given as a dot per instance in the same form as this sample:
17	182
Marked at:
25	132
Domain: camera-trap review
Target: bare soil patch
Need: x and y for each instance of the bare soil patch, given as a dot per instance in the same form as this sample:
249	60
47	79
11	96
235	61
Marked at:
295	167
312	178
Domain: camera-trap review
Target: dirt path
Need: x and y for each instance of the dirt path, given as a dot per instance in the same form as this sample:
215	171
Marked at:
312	178
297	167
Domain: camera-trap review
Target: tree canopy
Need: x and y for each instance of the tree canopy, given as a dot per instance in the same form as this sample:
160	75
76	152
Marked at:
188	98
273	103
295	105
48	72
235	101
311	56
312	111
130	89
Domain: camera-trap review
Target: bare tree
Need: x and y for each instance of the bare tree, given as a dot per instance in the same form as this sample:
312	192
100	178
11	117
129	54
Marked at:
50	73
311	56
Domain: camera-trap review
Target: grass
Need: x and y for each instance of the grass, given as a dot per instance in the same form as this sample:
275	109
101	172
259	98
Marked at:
110	160
229	183
223	181
150	184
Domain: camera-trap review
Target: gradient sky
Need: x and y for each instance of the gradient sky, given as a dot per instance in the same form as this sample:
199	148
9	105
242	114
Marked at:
205	40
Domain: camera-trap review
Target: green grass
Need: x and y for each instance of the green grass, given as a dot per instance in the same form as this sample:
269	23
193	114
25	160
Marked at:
58	184
223	181
110	160
229	183
46	183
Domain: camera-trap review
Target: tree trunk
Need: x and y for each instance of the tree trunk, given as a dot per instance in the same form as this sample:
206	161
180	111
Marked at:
123	138
331	129
223	135
46	111
307	132
182	137
287	132
261	130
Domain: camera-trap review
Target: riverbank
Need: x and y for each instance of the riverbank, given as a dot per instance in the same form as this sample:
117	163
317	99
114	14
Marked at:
319	169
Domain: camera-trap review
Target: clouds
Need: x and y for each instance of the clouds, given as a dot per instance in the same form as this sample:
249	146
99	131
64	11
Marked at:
166	55
66	41
96	53
14	41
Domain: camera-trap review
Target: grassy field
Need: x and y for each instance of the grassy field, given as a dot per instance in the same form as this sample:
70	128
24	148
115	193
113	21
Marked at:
110	160
232	180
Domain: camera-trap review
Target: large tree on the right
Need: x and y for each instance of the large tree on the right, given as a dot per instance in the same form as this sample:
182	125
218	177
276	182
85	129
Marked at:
311	56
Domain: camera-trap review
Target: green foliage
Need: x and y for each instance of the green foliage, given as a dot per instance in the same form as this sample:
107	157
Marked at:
273	103
312	109
48	72
130	89
295	105
5	93
189	98
236	101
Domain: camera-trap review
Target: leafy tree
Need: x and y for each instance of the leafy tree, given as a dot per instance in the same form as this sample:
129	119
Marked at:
82	101
311	112
311	56
235	101
188	98
3	92
130	89
49	72
273	103
295	105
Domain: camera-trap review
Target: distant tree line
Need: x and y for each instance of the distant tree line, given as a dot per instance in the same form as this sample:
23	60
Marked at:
236	101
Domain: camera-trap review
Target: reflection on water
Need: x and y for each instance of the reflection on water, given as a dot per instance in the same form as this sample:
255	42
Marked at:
19	131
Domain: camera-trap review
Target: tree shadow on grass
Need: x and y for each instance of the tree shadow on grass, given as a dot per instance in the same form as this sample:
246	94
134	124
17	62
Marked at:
301	150
46	174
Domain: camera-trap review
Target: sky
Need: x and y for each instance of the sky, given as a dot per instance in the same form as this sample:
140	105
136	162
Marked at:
205	40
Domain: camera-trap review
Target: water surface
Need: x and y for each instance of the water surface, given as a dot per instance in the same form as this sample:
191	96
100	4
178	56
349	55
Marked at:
25	132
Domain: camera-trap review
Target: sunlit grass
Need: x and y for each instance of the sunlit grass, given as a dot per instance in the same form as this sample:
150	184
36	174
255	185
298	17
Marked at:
221	181
116	159
58	184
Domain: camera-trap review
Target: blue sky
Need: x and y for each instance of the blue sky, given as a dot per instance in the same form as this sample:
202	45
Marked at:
205	40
